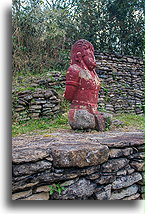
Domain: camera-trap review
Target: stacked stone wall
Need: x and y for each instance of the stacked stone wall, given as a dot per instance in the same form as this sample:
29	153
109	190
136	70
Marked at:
105	166
122	84
36	103
121	90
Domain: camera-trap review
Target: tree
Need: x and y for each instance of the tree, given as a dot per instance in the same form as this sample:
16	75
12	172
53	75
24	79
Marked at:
43	31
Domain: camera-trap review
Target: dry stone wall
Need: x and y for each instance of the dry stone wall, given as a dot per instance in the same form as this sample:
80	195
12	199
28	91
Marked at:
121	90
102	166
122	85
34	104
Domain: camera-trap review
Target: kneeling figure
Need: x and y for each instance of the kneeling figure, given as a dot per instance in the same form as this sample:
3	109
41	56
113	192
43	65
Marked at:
82	88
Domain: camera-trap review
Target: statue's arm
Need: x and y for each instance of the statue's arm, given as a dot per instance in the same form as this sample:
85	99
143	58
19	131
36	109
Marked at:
72	83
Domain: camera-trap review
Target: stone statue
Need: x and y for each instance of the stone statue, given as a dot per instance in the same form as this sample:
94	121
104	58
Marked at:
82	88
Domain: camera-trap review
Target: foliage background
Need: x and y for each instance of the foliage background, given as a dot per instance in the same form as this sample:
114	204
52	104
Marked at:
44	30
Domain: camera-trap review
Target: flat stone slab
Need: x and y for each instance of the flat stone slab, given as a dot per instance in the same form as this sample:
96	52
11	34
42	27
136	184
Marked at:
79	155
71	149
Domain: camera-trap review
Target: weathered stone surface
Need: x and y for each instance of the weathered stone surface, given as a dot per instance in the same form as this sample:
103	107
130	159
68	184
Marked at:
40	196
126	181
70	182
48	105
106	179
114	153
141	182
137	165
19	195
138	155
21	108
122	172
93	176
29	149
30	168
117	123
141	189
38	95
104	193
35	107
121	193
114	165
130	170
44	188
40	150
83	120
141	148
34	148
88	170
57	107
132	197
22	185
80	190
45	177
34	103
40	102
124	140
79	155
100	122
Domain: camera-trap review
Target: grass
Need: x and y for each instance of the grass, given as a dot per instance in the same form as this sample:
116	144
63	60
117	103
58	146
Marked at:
131	122
39	125
23	79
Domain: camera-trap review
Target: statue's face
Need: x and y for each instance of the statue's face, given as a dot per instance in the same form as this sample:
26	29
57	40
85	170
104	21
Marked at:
88	56
82	53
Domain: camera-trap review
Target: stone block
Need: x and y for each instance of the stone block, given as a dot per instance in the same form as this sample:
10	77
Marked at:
48	105
79	155
125	181
31	168
88	170
20	195
57	107
122	193
104	193
38	95
35	107
69	182
44	188
106	179
81	189
48	94
114	165
138	155
114	153
82	119
40	196
137	165
93	176
122	172
132	197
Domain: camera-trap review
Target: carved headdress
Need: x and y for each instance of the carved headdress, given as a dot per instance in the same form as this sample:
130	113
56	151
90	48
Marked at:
78	47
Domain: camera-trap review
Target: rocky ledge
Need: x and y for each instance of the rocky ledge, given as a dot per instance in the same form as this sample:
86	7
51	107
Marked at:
78	166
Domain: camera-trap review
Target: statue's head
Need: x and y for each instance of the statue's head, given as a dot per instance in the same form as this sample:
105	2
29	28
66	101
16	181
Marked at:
82	53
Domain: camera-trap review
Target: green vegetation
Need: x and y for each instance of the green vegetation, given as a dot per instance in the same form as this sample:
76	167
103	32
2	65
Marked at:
56	188
131	121
60	122
43	31
40	125
22	80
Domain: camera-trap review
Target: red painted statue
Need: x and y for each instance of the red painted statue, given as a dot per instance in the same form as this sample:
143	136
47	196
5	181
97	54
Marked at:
82	88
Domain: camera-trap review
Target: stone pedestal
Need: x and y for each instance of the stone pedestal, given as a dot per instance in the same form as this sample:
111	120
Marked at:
84	120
